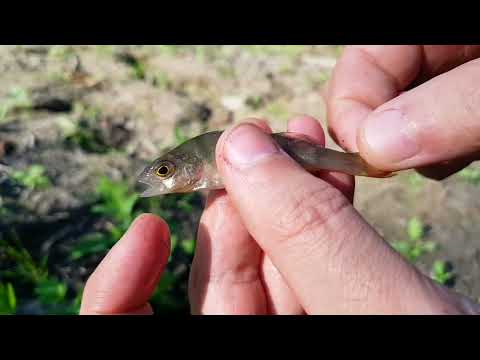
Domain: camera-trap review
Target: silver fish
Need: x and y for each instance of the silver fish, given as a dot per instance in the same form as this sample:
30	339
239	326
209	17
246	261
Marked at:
191	166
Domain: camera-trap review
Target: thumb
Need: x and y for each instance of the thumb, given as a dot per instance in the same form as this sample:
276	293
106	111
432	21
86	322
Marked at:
329	256
436	122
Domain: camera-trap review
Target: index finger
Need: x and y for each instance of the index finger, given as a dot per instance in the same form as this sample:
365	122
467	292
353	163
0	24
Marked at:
364	78
368	76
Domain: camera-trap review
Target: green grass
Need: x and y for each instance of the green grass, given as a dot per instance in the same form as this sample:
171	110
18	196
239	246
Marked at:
180	136
272	50
139	71
287	69
95	243
86	138
120	205
206	53
318	79
82	131
8	299
162	81
116	203
471	175
33	177
277	110
62	52
87	111
226	71
33	277
169	50
442	272
415	245
24	267
117	206
105	50
17	98
4	211
188	246
255	102
51	291
137	66
415	181
339	50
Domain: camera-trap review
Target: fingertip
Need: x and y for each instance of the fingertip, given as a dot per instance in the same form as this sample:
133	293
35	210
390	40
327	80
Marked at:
309	126
259	123
126	278
150	227
345	118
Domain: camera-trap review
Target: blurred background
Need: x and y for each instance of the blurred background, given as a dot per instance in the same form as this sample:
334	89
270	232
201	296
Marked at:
77	123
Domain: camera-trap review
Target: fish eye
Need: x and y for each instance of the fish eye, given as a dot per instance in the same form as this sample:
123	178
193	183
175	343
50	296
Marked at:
165	170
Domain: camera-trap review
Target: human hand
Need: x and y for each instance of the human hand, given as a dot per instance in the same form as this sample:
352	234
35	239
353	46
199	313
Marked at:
312	254
434	126
126	278
281	241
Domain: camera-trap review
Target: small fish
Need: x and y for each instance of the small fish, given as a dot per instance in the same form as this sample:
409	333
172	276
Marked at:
191	166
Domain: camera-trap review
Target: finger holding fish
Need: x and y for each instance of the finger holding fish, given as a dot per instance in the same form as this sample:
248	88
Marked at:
224	246
305	124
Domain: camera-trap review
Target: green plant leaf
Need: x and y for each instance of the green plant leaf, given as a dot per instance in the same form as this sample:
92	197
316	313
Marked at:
166	284
415	229
91	244
12	299
173	244
440	272
116	200
51	291
188	246
471	175
32	177
403	247
416	181
430	246
8	300
255	102
162	81
180	137
3	111
26	269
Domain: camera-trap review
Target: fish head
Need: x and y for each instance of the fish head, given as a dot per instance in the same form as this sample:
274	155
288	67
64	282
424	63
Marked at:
174	172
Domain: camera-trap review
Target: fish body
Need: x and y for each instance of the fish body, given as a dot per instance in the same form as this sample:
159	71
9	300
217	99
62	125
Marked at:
191	166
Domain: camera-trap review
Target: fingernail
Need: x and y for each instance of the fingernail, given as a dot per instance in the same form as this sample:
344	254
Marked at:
247	144
391	135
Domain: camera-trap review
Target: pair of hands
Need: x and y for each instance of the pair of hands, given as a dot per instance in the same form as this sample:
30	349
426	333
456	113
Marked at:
298	245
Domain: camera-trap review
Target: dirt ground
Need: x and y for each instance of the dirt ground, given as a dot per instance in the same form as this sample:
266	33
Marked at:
142	95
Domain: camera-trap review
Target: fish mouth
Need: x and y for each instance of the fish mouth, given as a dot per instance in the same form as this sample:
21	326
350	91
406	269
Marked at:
146	190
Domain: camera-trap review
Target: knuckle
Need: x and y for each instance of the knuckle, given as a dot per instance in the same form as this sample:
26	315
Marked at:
470	128
472	103
239	275
309	212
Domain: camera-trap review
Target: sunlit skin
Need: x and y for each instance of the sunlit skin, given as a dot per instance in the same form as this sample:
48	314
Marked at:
314	254
428	95
308	256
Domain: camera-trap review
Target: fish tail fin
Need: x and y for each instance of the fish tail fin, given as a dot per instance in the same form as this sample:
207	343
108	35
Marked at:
369	170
